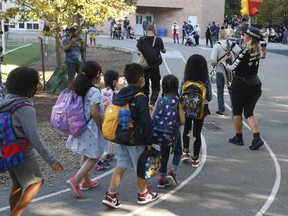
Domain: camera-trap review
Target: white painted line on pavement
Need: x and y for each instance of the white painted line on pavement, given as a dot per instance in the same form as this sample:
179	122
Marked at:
17	48
185	182
59	192
164	60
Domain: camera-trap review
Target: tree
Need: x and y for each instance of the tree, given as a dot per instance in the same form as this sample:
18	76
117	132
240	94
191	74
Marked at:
63	13
232	8
273	12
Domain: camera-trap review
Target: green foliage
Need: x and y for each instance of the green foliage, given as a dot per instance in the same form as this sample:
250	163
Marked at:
69	13
232	8
273	12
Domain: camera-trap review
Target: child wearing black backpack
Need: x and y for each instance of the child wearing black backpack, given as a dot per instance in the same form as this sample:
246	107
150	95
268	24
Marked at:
168	115
196	72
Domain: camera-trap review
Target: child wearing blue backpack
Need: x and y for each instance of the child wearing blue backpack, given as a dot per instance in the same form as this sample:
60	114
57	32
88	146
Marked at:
21	86
168	116
88	143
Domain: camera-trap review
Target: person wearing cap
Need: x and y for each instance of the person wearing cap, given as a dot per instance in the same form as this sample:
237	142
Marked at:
73	46
246	88
175	32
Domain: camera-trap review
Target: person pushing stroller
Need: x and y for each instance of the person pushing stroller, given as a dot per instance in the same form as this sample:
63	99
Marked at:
190	40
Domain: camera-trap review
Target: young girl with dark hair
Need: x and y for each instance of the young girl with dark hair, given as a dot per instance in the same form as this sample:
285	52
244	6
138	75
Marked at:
88	144
21	86
111	78
170	97
196	70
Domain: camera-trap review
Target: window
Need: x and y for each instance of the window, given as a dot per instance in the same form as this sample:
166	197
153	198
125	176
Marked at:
21	25
29	25
35	26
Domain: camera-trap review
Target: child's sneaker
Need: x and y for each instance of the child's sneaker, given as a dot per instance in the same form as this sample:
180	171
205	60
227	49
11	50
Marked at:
163	182
171	177
86	186
102	165
185	157
111	200
195	162
74	186
109	157
147	197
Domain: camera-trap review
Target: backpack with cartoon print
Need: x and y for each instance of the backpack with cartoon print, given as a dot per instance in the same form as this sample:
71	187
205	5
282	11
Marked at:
193	99
165	121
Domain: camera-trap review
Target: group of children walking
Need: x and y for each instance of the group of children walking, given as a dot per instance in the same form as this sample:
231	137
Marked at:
95	102
91	144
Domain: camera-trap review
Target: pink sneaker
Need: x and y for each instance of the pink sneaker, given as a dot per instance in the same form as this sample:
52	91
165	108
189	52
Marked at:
185	157
86	186
195	163
147	197
74	187
111	200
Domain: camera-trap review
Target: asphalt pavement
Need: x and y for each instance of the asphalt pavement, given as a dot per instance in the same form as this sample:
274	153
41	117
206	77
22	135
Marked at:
231	180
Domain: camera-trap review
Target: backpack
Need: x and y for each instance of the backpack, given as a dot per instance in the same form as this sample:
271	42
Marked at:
193	99
165	121
149	52
149	163
68	113
117	124
11	152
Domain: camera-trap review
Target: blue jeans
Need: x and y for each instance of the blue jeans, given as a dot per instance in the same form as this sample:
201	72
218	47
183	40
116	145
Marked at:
165	152
220	83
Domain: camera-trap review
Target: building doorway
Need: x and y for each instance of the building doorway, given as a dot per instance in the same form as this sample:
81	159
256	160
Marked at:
139	20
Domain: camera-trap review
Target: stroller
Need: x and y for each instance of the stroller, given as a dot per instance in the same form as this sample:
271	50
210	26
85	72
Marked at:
131	32
190	40
117	34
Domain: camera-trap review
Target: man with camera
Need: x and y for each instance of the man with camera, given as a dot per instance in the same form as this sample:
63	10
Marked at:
73	46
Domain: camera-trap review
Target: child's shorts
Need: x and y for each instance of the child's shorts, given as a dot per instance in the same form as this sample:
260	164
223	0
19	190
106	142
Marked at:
92	36
27	173
128	156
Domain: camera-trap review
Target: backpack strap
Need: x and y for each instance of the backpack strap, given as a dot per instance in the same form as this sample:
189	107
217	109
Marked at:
18	105
14	108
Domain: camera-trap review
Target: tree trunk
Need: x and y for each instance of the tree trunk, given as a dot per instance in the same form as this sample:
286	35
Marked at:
58	42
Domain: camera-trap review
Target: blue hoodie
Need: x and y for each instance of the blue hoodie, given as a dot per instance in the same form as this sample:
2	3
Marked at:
139	113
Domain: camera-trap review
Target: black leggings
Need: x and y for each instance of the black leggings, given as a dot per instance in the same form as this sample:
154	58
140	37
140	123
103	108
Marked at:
197	128
244	98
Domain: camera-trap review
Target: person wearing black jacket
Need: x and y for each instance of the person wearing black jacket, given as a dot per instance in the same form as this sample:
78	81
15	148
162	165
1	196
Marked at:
128	155
153	72
246	88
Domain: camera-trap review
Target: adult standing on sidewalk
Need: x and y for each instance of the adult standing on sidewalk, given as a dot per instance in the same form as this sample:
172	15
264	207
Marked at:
73	46
175	32
183	31
208	35
246	88
152	73
126	23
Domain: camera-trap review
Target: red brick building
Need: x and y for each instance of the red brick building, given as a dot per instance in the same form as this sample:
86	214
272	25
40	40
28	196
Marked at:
165	12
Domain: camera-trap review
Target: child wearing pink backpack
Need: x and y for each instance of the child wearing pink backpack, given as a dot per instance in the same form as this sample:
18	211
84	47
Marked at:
111	78
89	143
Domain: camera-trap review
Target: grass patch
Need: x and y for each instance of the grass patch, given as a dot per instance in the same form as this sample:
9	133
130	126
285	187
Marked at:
23	56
